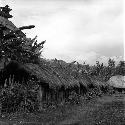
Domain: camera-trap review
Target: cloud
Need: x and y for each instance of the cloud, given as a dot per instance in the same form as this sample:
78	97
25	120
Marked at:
1	2
104	59
82	30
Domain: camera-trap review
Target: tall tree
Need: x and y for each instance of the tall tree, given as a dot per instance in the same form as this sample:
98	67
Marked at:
14	44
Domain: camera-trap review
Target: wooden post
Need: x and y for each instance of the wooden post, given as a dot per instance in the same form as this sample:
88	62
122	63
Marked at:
40	97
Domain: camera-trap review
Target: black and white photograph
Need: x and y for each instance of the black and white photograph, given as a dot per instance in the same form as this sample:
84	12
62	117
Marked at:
62	62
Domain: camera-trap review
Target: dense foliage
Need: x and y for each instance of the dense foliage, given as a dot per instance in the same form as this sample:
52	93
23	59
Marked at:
99	71
20	48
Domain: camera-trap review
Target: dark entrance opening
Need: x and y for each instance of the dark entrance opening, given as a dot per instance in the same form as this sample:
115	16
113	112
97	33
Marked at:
16	71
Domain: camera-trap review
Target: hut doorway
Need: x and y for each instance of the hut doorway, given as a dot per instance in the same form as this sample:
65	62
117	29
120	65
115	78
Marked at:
14	70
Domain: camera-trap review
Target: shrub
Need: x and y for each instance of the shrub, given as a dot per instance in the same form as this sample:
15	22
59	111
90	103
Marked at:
16	97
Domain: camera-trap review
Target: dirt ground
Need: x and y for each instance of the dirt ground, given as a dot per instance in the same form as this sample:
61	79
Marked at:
105	110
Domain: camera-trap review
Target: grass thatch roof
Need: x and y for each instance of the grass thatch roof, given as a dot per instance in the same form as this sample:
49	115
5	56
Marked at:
54	76
48	75
117	81
98	83
85	80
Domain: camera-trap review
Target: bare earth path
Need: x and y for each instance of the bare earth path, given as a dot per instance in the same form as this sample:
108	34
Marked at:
107	110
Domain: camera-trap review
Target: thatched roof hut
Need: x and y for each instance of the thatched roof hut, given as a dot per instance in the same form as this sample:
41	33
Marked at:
45	74
117	81
53	82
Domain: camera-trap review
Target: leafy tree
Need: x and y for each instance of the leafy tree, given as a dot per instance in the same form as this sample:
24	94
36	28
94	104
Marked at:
13	43
120	68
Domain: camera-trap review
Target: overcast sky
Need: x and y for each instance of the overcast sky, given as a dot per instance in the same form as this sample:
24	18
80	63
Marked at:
82	30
